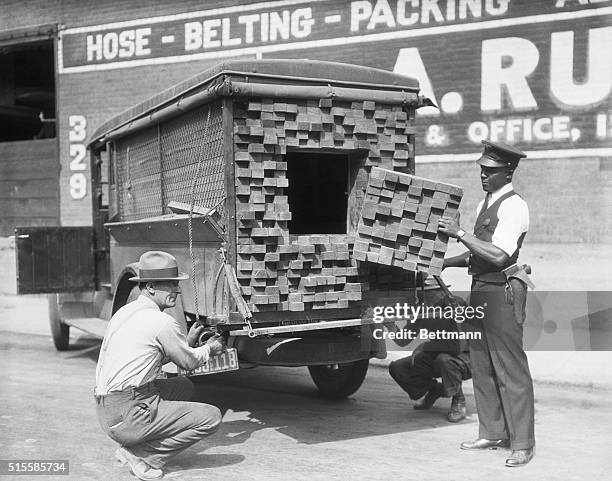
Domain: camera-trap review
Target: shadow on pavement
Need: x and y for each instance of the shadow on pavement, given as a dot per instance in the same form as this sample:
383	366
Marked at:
283	399
195	461
84	346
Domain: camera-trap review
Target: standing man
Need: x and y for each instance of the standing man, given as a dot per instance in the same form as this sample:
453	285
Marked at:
503	388
151	419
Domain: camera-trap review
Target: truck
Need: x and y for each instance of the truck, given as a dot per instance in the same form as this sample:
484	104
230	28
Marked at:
256	175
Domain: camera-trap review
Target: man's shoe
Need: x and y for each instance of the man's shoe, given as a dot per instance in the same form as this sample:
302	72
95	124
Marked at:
138	467
483	443
520	457
457	411
430	398
121	456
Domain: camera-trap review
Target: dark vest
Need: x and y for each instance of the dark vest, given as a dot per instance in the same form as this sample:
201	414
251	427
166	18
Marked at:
484	227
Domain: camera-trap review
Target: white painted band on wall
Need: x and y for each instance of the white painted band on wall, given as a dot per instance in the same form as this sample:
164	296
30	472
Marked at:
531	155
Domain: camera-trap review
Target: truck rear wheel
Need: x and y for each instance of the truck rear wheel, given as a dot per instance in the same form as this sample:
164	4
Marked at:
338	381
60	332
133	295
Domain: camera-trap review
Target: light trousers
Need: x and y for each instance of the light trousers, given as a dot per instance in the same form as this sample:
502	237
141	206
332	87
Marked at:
156	421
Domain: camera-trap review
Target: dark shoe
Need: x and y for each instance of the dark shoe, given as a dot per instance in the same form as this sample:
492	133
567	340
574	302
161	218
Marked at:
457	411
520	457
485	444
430	398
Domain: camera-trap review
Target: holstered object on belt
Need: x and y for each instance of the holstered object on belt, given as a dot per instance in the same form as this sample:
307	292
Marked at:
517	281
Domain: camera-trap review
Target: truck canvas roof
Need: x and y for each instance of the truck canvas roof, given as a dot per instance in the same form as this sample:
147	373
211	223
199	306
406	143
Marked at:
216	81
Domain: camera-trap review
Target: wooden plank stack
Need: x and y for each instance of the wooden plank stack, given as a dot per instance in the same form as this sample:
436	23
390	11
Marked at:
399	221
282	272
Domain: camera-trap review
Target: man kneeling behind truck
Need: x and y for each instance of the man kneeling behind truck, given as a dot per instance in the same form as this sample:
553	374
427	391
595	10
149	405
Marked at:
151	418
416	374
448	359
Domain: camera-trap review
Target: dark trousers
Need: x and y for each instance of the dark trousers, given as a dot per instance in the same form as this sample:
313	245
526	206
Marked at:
503	388
415	373
156	421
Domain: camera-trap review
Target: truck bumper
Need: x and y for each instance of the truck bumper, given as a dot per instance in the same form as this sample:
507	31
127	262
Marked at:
309	349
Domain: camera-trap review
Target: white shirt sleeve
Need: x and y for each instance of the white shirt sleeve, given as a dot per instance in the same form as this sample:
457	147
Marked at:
513	221
174	344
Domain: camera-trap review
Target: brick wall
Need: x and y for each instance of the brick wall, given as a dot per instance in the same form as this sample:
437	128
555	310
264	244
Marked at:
76	13
570	200
97	96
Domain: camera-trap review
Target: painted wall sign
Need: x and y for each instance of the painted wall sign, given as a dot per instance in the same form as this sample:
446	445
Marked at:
533	73
283	25
544	89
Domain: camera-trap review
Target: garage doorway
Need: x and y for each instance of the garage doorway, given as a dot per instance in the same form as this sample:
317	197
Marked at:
29	163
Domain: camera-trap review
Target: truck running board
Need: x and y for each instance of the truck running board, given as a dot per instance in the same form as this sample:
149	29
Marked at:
91	325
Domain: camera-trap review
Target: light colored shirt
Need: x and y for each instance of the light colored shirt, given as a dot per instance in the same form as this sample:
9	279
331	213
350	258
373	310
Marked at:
138	339
513	215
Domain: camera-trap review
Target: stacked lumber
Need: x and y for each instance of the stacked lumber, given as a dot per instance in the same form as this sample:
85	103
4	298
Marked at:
308	272
282	272
399	221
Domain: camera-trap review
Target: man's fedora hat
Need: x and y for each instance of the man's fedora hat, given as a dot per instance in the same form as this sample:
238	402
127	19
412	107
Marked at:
500	155
158	266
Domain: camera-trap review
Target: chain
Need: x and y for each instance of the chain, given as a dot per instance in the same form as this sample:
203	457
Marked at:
189	220
129	177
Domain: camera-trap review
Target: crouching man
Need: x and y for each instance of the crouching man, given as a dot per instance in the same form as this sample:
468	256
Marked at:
417	375
152	419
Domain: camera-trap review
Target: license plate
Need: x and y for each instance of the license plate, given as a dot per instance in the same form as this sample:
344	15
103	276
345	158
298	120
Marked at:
226	361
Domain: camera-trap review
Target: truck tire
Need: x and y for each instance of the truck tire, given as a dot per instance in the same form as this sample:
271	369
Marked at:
133	295
60	332
341	380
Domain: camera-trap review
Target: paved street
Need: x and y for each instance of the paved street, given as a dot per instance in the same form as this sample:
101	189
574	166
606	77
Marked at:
276	427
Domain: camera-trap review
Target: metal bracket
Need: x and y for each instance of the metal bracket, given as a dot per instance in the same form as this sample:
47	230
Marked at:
263	331
234	289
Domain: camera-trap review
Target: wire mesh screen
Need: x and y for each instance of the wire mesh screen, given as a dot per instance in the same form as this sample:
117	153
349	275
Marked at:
183	142
158	165
139	175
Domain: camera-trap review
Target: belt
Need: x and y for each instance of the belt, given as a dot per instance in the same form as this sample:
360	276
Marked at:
492	277
126	394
